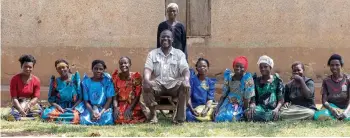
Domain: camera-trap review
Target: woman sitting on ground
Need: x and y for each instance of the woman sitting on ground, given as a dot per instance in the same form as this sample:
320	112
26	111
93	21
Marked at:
238	89
98	92
25	92
128	87
64	96
200	105
335	93
299	96
268	99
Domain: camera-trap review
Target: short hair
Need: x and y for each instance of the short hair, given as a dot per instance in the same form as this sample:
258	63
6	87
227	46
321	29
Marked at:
335	57
126	58
97	61
166	30
27	58
202	59
296	63
173	5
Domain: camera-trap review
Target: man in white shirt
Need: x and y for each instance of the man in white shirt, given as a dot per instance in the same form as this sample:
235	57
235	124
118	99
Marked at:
166	73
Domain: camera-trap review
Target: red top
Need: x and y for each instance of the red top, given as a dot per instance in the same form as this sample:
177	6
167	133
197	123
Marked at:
29	90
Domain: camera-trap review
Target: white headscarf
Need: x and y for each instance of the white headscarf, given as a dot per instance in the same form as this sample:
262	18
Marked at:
266	59
173	5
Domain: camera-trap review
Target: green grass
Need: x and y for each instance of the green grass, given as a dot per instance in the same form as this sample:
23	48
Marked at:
165	128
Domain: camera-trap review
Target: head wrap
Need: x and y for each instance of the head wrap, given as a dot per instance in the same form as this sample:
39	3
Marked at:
173	5
241	59
61	64
267	60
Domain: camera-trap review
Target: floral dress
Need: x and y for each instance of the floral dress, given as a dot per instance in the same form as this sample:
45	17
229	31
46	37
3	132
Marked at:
65	94
126	91
235	92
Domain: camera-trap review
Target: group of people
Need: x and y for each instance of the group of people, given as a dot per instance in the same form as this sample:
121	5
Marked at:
128	97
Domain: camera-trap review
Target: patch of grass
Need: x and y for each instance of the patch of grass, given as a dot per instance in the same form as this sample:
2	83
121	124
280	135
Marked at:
165	128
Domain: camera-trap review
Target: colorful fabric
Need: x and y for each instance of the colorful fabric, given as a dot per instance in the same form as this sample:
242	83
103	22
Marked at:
267	60
20	89
241	59
262	114
199	109
234	92
325	114
297	112
65	94
294	95
337	93
266	98
201	93
33	113
127	91
96	93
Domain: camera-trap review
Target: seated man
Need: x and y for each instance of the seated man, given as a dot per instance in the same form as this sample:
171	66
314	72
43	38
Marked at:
168	68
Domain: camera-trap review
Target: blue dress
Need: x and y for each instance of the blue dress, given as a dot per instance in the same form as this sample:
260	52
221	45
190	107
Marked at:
201	92
235	91
65	94
96	93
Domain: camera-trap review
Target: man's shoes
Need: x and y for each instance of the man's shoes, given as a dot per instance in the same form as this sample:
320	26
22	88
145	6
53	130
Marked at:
154	120
178	122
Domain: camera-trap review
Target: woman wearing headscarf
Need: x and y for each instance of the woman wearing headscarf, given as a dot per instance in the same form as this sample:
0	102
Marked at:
237	91
64	96
176	27
269	89
335	92
299	96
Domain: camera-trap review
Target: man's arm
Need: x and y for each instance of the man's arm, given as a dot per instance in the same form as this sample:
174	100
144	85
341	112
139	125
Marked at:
147	75
184	68
186	74
147	72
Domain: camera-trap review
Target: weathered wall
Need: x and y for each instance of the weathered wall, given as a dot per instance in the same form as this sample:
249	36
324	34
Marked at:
83	30
286	30
77	30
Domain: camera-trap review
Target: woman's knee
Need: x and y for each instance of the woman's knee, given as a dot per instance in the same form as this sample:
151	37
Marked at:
310	112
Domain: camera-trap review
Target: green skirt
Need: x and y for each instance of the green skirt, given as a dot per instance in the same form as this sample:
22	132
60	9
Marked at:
325	114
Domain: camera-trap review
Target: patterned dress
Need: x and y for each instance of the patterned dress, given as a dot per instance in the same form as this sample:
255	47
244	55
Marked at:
65	94
235	92
96	93
201	93
338	94
24	93
126	92
266	98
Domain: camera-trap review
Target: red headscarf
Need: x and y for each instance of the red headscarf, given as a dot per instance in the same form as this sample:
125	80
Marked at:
241	59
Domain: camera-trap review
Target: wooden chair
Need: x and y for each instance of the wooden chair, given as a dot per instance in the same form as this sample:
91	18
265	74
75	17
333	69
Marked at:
166	103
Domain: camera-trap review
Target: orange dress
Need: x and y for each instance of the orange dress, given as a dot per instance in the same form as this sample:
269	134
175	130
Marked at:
126	92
